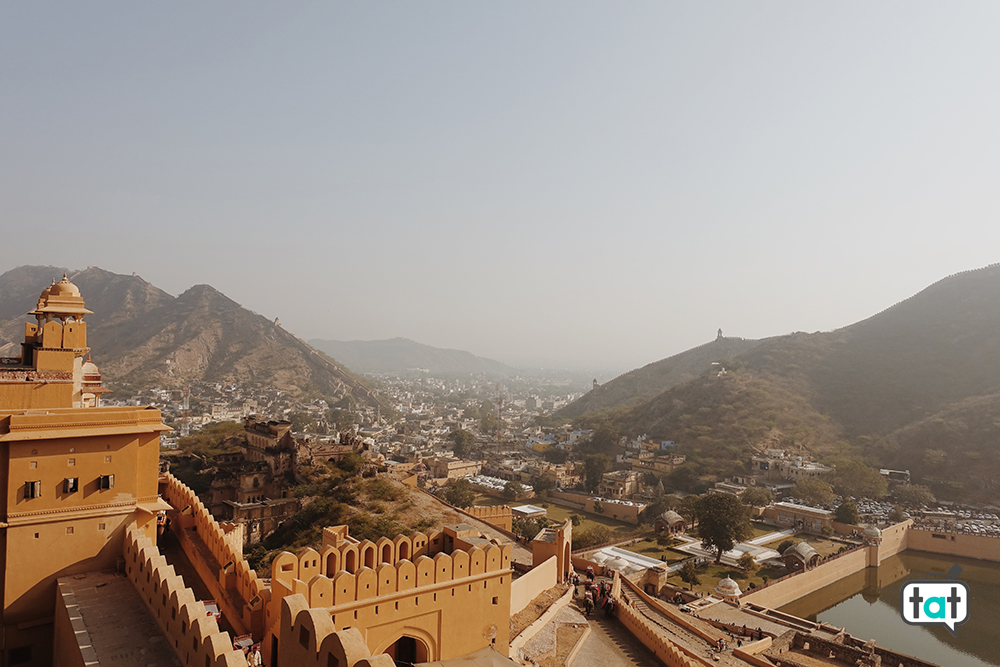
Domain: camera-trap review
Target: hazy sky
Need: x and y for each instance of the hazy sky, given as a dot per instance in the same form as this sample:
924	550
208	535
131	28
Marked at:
567	184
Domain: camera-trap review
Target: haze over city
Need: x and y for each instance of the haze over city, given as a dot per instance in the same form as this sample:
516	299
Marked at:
568	184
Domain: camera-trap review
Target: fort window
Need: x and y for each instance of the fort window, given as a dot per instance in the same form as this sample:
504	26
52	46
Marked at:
69	530
33	489
71	485
332	661
304	637
106	482
102	526
33	465
496	601
19	655
107	459
71	462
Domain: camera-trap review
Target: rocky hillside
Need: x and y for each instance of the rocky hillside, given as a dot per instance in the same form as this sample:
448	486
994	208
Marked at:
644	383
915	386
143	336
401	355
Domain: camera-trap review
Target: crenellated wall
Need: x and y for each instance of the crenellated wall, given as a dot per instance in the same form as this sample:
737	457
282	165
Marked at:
192	634
312	641
652	638
499	516
433	598
216	552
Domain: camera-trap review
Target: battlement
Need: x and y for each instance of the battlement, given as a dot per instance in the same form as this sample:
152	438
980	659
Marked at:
500	516
192	634
224	541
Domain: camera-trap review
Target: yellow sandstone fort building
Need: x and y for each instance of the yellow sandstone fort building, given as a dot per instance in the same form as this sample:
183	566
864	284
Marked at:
77	476
83	492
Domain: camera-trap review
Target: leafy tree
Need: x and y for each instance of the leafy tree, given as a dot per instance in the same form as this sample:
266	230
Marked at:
784	545
599	507
595	465
756	496
512	490
604	439
302	422
688	508
591	537
913	495
488	422
543	483
556	455
847	513
658	507
460	493
351	462
342	420
462	442
576	519
689	574
813	490
748	564
722	522
858	480
530	527
896	514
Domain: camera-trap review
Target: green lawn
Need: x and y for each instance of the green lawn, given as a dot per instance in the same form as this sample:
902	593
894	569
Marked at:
653	550
761	529
710	576
558	513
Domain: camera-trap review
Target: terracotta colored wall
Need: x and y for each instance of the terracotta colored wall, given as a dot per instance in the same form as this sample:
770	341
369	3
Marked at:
499	516
529	586
645	631
194	636
968	546
437	598
792	588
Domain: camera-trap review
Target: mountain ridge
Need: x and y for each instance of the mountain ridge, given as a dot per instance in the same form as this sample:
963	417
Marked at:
400	355
142	335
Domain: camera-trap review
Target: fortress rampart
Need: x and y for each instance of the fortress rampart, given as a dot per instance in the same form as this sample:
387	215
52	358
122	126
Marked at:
192	634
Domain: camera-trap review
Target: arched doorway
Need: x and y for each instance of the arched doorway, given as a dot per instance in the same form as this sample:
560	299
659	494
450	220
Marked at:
350	561
567	560
408	650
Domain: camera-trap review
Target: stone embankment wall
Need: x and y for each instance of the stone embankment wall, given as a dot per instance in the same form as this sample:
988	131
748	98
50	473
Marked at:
954	544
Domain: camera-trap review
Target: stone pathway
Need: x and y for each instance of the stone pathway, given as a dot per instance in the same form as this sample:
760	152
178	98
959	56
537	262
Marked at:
122	631
771	537
611	645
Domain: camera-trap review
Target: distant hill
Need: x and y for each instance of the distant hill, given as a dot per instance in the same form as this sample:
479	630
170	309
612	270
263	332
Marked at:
922	375
648	381
143	336
400	355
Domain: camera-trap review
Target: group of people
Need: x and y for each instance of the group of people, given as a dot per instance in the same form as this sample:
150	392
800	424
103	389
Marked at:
595	594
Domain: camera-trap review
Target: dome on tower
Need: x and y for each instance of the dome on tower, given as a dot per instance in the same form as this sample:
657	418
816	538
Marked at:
63	288
61	300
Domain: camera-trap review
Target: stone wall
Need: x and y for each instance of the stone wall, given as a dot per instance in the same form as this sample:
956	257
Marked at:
954	544
792	588
499	516
192	634
216	552
527	587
